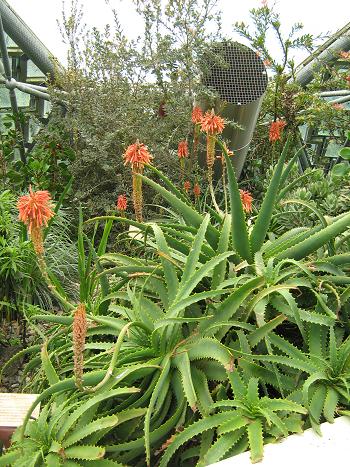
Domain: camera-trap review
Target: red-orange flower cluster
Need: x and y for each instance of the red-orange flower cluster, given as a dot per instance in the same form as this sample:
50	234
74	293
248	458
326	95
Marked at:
122	203
246	199
196	190
137	155
345	55
35	209
187	186
182	149
197	115
212	124
337	106
276	130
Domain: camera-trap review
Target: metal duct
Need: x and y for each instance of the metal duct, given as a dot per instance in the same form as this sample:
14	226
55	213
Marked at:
325	55
240	80
24	37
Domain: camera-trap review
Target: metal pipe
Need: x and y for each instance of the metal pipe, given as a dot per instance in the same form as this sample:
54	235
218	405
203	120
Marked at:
25	38
327	54
240	83
342	92
13	84
246	115
13	99
341	100
34	86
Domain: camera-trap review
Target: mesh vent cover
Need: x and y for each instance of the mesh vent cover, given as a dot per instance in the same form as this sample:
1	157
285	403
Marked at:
239	76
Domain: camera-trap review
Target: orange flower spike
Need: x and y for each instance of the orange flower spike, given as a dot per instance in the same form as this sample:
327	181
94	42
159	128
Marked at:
197	115
79	336
182	152
137	155
182	149
35	210
122	203
345	55
275	132
246	199
187	186
212	125
337	106
196	190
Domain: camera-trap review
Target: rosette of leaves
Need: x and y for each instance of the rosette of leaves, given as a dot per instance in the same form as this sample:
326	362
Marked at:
69	432
322	371
240	422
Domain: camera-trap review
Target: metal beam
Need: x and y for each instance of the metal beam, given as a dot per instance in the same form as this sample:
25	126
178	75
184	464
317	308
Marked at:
13	99
341	92
25	38
13	84
341	100
327	54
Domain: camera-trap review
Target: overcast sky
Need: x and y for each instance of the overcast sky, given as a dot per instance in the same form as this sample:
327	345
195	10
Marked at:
41	16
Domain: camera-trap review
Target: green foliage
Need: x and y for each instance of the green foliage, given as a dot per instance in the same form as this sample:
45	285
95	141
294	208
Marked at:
47	162
309	198
223	330
228	351
342	169
144	87
245	419
69	428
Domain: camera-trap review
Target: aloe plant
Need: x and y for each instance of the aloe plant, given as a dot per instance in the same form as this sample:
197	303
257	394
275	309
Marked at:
69	432
242	422
199	324
325	363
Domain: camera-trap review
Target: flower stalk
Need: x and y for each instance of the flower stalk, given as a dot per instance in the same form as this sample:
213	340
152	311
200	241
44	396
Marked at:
79	337
35	211
137	155
196	118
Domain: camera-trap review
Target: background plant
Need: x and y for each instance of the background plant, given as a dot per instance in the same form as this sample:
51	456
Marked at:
144	87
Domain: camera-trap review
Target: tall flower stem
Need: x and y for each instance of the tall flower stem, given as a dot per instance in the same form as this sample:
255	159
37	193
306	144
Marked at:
137	195
210	156
53	289
79	336
137	155
35	210
212	125
182	168
194	155
211	140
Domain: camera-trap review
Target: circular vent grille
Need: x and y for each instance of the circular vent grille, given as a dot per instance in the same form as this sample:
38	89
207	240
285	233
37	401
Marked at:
238	76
